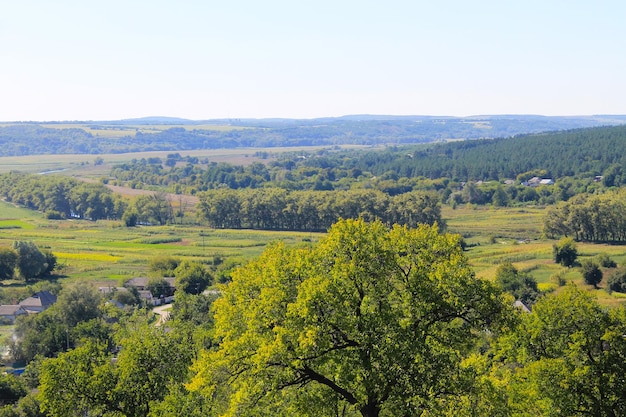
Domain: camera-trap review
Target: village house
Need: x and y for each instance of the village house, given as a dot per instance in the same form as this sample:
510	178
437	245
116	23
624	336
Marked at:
9	313
38	302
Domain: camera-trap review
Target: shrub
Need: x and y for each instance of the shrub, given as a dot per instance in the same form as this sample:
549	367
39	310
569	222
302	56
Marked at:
559	278
616	281
606	262
54	215
164	265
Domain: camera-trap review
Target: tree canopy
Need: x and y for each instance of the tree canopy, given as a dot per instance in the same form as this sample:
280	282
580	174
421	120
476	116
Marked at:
371	320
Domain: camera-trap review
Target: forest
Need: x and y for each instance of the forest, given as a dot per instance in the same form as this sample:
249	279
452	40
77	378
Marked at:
151	134
381	314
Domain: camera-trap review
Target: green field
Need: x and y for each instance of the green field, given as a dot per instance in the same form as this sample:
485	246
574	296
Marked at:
107	253
496	235
83	164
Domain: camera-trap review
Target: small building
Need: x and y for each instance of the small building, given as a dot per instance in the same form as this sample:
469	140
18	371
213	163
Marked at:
9	313
38	302
523	307
536	182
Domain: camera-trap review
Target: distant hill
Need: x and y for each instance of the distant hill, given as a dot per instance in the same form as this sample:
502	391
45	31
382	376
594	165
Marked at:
176	134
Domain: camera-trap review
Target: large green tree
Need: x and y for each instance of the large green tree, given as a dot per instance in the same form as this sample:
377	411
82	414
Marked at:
371	321
568	358
8	261
86	381
31	262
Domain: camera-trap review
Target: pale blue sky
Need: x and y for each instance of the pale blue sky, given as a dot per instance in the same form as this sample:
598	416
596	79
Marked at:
96	60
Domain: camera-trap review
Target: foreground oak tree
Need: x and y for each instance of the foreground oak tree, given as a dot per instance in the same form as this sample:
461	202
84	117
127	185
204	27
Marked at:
370	321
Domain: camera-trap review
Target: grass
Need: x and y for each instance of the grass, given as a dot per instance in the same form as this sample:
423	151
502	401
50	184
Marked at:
102	251
107	252
499	235
82	165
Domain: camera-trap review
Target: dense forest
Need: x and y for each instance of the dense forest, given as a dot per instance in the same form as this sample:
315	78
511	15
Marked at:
177	134
478	172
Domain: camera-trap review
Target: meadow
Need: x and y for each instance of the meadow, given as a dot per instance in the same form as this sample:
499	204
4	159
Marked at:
496	235
106	253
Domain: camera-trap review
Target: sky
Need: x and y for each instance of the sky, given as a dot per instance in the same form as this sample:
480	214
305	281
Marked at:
206	59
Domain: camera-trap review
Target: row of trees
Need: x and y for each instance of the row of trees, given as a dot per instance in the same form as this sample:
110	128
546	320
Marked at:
61	197
596	217
273	208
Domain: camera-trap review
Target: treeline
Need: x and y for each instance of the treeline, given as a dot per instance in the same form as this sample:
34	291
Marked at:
31	138
278	209
325	170
579	160
61	197
594	218
579	152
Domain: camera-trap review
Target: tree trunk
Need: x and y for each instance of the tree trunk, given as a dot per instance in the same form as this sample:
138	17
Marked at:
370	409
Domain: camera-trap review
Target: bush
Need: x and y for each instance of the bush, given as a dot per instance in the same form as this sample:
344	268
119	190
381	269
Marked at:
559	278
520	284
192	277
164	265
606	262
616	281
54	215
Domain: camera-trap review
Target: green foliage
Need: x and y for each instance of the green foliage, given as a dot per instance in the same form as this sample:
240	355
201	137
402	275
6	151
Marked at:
77	303
61	326
61	197
377	319
605	261
565	252
31	262
12	388
127	298
130	217
8	262
314	210
592	274
599	217
155	208
85	379
520	284
566	358
616	281
192	277
159	287
163	265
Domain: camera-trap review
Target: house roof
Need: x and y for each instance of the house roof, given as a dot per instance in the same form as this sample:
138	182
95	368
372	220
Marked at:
40	299
11	310
519	304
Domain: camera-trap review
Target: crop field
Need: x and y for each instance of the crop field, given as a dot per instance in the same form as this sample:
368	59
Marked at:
107	253
497	235
121	130
84	164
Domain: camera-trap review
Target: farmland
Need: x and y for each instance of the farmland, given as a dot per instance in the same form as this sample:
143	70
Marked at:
106	253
